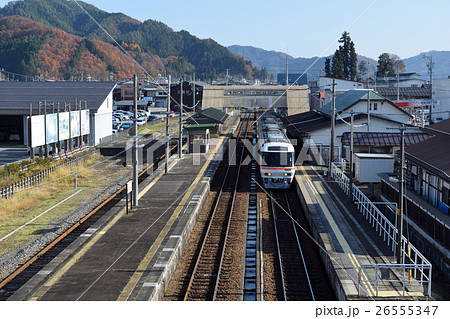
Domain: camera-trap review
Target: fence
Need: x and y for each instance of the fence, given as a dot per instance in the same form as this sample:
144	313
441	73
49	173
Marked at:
411	256
381	274
28	182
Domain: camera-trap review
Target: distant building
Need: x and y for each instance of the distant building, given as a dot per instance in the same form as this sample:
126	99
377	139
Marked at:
19	99
322	90
314	127
288	100
294	79
188	96
441	100
404	80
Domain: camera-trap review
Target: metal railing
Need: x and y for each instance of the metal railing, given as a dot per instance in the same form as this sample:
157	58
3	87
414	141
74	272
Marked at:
380	274
412	258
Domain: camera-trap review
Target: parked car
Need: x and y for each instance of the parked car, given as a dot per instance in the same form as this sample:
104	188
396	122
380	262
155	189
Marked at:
126	125
151	118
140	121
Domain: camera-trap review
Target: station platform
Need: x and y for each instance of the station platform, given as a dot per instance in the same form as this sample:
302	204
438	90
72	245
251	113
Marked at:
131	256
349	242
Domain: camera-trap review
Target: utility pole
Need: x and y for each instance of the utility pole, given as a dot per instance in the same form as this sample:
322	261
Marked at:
351	154
398	83
368	110
333	115
226	80
193	98
135	148
31	148
287	71
400	196
180	143
430	65
167	128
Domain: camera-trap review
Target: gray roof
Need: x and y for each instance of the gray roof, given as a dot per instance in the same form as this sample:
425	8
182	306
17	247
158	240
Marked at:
16	97
382	139
405	93
209	115
349	99
352	97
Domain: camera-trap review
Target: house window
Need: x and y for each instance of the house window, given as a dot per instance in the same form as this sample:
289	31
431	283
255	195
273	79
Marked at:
445	195
375	106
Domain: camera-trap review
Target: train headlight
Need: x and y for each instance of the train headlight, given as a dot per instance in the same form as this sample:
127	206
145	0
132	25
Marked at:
287	174
268	174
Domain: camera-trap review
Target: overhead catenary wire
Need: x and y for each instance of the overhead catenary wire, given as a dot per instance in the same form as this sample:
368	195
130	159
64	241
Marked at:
321	55
125	51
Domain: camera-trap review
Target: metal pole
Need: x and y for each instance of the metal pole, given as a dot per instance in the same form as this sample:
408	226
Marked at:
193	99
135	149
398	83
167	127
351	155
333	115
400	197
180	142
368	110
30	134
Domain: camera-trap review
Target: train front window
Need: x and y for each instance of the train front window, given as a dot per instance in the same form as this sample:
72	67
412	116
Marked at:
278	159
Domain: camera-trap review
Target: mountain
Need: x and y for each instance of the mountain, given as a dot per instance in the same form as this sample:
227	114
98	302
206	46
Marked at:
31	48
275	62
418	64
180	52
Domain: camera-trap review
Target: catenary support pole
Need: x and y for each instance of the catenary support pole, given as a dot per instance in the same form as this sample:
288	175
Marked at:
135	148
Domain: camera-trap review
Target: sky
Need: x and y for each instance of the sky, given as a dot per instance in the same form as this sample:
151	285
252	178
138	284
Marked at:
302	28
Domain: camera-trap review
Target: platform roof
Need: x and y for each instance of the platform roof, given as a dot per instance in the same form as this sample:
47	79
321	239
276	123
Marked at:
209	115
16	97
383	139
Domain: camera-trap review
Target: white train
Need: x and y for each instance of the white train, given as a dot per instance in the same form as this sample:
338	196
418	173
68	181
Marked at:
277	163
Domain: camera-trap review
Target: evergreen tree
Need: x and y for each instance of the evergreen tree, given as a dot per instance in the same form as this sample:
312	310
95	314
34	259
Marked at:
345	59
385	65
327	67
337	68
362	70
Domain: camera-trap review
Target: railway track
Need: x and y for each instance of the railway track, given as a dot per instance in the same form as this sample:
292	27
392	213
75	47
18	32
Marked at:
217	257
31	267
301	273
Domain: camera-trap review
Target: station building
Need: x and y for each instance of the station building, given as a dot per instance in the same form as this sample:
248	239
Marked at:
19	100
286	99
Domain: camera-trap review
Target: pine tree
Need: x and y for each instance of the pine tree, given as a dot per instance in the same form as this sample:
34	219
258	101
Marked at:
345	59
327	67
385	65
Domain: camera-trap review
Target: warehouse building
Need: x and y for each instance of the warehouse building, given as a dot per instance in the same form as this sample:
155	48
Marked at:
19	100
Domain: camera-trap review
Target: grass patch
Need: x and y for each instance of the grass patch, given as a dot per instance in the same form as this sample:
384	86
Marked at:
160	127
26	205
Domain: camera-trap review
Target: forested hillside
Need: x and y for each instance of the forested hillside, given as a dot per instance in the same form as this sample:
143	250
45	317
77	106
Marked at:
151	41
34	49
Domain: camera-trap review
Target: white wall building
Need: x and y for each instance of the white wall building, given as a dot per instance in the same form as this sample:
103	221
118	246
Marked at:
441	96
